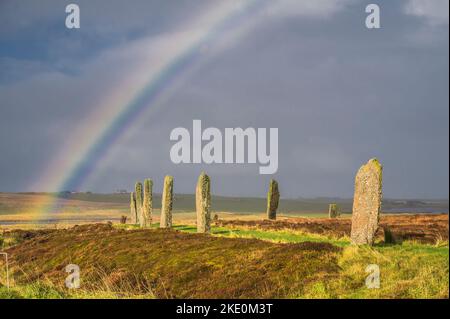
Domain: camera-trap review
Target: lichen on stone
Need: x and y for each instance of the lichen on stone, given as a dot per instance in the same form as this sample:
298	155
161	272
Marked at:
273	197
167	203
203	203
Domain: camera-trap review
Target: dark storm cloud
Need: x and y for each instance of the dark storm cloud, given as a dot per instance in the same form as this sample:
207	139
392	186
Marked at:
338	93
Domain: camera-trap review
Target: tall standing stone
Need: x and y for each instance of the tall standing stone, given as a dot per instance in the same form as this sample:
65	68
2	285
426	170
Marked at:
166	206
146	218
133	211
273	197
203	203
139	201
367	203
333	211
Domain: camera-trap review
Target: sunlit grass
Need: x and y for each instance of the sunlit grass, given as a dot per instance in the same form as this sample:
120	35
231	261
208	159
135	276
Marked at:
41	290
276	236
408	270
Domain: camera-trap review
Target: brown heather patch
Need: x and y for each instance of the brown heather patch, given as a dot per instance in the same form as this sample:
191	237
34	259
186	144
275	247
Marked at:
423	228
173	264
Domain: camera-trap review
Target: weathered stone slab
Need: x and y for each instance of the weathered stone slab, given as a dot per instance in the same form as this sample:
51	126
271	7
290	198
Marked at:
166	206
139	201
146	218
133	211
367	203
273	198
203	203
333	211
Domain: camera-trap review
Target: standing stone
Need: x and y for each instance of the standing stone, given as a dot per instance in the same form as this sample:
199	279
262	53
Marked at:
139	201
273	197
367	203
166	207
133	211
146	218
333	211
203	203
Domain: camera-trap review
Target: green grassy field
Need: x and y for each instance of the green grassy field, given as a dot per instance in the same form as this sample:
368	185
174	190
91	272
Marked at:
241	261
238	262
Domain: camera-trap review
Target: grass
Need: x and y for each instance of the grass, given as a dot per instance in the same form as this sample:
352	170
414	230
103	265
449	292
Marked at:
46	290
408	270
31	291
279	236
171	264
241	262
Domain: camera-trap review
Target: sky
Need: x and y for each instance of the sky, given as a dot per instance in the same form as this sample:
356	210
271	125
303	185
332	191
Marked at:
338	93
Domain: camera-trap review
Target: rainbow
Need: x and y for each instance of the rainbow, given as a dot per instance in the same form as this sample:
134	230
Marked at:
90	143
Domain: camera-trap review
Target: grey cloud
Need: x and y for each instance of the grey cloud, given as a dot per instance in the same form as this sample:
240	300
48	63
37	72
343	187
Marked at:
435	12
338	93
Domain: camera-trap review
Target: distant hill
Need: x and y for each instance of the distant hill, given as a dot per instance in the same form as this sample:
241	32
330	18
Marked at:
186	202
